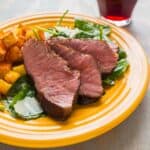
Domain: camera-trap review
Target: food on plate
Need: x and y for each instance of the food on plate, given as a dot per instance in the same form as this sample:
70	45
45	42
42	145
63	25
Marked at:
91	85
105	57
14	55
49	70
4	86
4	68
20	69
9	40
21	101
11	76
56	84
2	53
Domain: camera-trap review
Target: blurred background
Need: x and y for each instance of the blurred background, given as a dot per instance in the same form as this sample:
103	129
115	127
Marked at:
16	8
134	133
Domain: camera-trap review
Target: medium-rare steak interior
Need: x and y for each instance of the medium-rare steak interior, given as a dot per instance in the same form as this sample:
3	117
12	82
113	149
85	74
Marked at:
104	55
90	86
56	84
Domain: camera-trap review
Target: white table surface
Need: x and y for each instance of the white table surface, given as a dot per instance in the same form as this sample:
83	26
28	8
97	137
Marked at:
134	133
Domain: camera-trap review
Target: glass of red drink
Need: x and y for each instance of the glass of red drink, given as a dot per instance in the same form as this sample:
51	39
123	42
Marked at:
117	11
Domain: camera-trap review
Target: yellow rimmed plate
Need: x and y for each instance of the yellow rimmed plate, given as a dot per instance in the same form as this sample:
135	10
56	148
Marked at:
86	122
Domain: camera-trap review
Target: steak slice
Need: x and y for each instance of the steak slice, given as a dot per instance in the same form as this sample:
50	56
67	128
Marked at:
90	85
104	55
114	47
56	84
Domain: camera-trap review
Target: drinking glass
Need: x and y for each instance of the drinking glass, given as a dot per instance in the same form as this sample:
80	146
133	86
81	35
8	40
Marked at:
117	12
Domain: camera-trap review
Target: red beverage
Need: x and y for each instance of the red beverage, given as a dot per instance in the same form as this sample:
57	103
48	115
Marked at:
117	10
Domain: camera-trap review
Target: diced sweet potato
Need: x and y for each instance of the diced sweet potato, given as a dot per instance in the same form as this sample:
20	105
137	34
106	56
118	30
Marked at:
9	40
2	53
4	68
4	87
14	54
20	69
1	34
2	44
11	76
20	30
20	41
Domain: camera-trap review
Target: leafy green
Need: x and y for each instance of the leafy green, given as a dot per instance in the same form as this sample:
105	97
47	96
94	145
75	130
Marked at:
118	72
20	84
7	102
61	18
66	32
122	66
51	31
36	34
20	98
28	108
108	81
82	29
85	25
20	95
72	33
83	34
122	54
101	32
92	30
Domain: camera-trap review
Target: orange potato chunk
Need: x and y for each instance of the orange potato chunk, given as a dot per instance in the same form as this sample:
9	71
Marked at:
20	30
2	44
14	54
2	53
4	68
1	34
4	87
20	69
9	40
11	76
20	41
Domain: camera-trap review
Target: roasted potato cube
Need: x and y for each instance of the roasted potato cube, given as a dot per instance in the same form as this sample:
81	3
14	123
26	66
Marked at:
2	44
2	53
4	68
1	34
4	87
14	54
20	41
20	69
11	76
9	40
19	30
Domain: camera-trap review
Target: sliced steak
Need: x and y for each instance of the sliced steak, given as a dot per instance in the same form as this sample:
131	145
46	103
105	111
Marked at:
105	56
113	46
90	85
56	84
